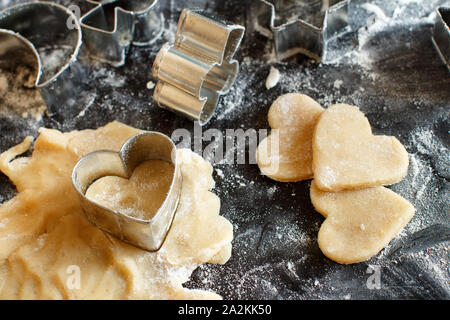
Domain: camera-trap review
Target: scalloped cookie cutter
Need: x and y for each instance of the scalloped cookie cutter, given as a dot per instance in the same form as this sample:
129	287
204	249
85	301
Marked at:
441	35
146	234
36	34
199	67
112	26
315	23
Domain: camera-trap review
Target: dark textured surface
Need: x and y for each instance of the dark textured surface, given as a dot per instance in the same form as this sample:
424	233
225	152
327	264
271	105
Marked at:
404	92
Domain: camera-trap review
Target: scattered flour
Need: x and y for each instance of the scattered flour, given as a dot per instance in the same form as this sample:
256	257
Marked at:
422	174
382	18
110	78
220	173
271	191
17	95
337	84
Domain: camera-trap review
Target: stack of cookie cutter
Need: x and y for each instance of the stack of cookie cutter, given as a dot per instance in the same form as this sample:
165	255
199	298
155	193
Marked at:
29	34
146	234
441	35
300	36
199	67
112	26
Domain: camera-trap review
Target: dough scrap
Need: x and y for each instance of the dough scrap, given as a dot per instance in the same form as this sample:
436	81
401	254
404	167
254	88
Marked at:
273	78
43	231
347	156
295	116
359	223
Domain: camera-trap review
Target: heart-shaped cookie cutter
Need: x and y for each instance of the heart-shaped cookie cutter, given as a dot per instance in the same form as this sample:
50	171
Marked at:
113	25
36	34
193	72
146	234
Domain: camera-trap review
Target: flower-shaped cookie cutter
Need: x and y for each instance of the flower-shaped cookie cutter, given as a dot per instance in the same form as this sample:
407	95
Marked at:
441	35
46	38
314	23
112	26
146	234
199	67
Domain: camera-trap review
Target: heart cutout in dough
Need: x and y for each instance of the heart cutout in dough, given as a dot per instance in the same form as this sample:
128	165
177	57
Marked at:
105	166
346	155
286	154
359	223
140	196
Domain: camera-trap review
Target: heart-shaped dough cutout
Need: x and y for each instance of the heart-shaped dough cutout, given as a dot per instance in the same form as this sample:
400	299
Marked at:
347	156
140	196
359	223
286	154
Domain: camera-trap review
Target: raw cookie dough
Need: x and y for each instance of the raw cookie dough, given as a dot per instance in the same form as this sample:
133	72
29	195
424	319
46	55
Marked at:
141	196
359	223
347	156
295	115
45	237
273	78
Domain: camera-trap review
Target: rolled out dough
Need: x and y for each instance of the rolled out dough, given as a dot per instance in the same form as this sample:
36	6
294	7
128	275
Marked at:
46	243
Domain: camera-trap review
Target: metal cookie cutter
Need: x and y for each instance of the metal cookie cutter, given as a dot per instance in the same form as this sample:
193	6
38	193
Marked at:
145	234
199	67
113	25
46	38
441	35
300	26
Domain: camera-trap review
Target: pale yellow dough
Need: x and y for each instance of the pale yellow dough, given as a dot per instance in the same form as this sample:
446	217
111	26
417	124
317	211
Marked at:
141	196
347	156
359	223
290	158
43	231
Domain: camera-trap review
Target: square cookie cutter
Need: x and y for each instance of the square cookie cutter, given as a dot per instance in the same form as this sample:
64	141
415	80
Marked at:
441	35
300	26
112	26
46	38
194	71
145	234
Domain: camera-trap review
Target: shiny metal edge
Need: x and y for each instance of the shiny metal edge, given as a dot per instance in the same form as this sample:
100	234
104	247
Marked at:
298	36
193	72
441	35
145	234
111	46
